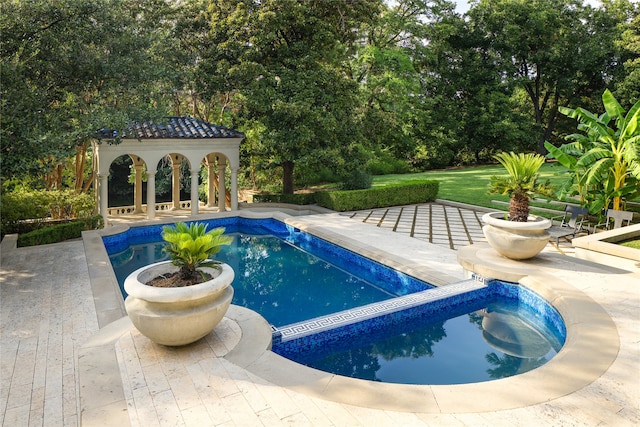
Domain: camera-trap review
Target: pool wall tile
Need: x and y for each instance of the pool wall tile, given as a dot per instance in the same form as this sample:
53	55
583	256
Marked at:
320	335
383	277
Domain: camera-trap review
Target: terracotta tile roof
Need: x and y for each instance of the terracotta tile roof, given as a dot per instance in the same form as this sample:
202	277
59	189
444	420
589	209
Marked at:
176	128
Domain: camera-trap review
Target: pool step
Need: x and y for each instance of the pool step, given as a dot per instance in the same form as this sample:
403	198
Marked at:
346	317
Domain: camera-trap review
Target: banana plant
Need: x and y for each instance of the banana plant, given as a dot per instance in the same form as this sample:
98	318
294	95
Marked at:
605	157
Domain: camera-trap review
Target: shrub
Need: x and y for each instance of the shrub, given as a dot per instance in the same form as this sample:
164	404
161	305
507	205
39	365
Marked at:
19	206
392	195
294	199
357	180
24	211
386	164
60	232
69	204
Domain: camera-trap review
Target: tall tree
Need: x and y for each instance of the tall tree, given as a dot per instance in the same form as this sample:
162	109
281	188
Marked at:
70	68
390	86
473	100
556	50
286	58
628	87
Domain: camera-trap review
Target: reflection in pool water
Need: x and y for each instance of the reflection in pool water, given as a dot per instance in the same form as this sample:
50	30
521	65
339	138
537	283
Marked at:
275	278
451	351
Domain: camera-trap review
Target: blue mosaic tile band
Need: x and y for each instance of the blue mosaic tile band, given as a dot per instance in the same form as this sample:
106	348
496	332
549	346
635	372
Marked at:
295	339
370	311
152	233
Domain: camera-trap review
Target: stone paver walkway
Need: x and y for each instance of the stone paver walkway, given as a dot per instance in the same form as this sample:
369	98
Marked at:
47	312
441	224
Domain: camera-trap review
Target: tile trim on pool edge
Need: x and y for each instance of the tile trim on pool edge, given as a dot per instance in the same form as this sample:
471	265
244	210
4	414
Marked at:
347	317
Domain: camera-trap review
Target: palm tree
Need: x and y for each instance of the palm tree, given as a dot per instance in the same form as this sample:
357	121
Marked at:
605	160
521	184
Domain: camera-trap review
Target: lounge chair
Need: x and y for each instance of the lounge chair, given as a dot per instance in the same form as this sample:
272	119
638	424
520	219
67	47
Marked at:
615	219
571	223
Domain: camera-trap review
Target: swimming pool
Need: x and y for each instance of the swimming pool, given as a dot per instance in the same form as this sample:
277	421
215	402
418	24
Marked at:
490	332
285	275
373	285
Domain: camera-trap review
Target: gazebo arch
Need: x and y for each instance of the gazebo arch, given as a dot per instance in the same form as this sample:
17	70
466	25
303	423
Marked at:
181	137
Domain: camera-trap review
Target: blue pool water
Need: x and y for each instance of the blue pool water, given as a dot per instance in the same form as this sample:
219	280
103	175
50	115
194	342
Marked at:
290	277
493	335
286	279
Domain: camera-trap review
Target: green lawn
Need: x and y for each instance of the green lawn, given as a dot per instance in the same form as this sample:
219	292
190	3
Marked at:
635	244
469	185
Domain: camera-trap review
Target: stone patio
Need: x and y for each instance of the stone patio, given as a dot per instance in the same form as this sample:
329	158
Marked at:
62	365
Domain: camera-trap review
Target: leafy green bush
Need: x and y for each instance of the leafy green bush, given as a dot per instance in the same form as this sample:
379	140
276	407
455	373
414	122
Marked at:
392	195
19	206
60	232
24	211
294	199
386	164
357	180
69	204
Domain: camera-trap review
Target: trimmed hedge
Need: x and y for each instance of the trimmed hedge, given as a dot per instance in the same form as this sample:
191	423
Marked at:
294	199
60	232
407	193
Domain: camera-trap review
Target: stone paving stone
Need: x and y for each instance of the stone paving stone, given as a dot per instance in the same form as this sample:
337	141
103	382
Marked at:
167	409
268	417
309	408
240	410
447	226
145	410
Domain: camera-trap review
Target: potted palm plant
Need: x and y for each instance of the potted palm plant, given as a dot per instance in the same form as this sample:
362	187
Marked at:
177	302
518	235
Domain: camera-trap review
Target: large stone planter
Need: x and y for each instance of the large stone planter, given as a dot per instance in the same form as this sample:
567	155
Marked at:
177	316
516	240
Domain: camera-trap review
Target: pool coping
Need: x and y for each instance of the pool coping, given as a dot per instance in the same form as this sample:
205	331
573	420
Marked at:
591	346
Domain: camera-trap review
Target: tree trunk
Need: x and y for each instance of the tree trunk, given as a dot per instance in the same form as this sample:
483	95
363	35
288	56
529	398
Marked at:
519	208
287	177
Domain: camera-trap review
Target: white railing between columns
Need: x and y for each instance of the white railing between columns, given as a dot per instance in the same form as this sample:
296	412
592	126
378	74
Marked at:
160	207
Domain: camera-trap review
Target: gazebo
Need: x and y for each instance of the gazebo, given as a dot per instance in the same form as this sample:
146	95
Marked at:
177	138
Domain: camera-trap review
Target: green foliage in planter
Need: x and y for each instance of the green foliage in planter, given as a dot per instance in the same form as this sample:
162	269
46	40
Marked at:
190	246
294	199
60	232
392	195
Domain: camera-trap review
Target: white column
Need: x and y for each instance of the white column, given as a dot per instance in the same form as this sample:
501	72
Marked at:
234	189
137	189
194	191
222	191
211	186
151	194
175	184
104	196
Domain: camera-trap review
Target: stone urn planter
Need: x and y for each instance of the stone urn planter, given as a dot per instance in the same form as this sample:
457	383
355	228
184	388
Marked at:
179	315
516	240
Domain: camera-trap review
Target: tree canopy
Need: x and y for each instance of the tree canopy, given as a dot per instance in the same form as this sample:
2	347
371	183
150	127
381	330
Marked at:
321	88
